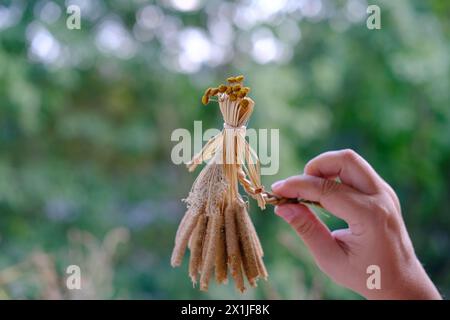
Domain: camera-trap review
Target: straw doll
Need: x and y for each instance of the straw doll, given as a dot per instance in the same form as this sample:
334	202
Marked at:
216	227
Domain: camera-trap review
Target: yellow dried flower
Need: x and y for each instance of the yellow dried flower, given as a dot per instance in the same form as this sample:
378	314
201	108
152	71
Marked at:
207	92
237	88
239	78
241	94
246	89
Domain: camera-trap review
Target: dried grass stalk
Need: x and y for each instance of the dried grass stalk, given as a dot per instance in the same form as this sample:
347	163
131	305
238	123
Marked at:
210	256
182	239
247	245
262	268
207	235
233	249
196	247
221	251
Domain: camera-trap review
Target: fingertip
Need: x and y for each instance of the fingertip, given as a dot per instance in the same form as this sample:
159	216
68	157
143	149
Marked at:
277	185
301	186
289	211
284	211
286	188
308	167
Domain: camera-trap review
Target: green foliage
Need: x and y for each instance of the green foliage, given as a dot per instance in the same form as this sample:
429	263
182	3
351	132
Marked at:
85	137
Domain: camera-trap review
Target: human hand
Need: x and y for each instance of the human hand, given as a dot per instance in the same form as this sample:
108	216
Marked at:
376	234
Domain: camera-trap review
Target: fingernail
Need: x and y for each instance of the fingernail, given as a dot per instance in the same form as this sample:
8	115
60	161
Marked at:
277	184
286	212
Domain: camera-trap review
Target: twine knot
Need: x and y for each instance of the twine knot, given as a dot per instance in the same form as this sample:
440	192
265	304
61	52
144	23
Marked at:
228	126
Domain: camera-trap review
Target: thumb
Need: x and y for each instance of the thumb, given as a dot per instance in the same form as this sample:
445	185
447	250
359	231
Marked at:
313	232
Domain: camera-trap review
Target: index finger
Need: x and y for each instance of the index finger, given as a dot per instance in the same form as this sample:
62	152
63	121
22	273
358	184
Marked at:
349	166
339	199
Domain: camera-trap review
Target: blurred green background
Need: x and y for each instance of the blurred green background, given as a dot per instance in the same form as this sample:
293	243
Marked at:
86	117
